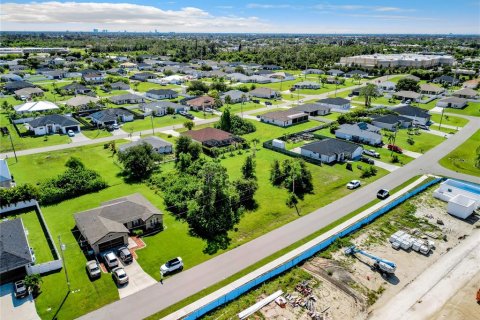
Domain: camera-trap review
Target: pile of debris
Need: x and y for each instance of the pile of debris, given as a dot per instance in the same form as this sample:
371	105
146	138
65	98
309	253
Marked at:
304	298
401	239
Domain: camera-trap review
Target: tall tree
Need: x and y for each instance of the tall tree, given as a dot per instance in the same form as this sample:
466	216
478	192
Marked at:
276	173
189	124
248	169
225	123
369	92
139	161
408	84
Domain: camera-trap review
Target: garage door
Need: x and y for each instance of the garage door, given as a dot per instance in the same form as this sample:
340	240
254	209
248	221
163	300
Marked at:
73	128
117	242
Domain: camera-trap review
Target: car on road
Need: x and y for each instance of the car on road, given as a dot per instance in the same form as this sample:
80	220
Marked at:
125	255
173	265
93	269
383	194
394	148
110	260
367	160
371	153
119	275
354	184
71	133
20	290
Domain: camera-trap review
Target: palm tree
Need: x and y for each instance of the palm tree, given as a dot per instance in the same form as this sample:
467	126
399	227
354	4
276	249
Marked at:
370	91
255	141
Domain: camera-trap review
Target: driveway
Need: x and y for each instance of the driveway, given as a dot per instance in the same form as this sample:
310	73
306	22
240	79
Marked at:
79	137
118	132
384	165
13	308
138	280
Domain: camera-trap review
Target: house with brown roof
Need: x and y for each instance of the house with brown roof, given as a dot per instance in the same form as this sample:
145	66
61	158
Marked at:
407	95
28	93
200	103
430	89
284	118
466	93
212	137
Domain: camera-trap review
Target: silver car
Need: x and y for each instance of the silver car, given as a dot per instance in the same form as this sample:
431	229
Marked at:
93	269
120	275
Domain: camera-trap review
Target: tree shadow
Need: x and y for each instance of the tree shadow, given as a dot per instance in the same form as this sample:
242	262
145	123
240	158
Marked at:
61	305
220	242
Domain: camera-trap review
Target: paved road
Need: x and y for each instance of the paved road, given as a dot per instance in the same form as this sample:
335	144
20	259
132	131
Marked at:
187	283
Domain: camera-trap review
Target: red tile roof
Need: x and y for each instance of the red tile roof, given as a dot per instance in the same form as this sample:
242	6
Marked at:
206	134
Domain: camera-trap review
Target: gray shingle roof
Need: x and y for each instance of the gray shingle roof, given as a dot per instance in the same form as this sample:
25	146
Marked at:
14	249
310	107
412	112
155	142
109	114
331	147
334	101
59	119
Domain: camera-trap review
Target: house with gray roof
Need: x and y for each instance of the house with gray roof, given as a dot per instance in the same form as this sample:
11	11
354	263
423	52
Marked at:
236	96
119	85
407	95
108	226
284	118
160	108
143	76
352	73
452	102
128	98
335	103
313	109
76	88
160	94
335	72
360	132
110	117
6	179
332	150
53	123
307	85
466	93
159	145
313	71
16	85
265	93
15	254
418	115
391	122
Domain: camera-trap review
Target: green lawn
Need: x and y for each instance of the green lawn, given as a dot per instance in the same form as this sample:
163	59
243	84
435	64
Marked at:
201	115
145	86
449	120
11	100
463	158
423	142
381	100
96	133
472	109
292	96
35	235
269	131
238	107
102	93
158	122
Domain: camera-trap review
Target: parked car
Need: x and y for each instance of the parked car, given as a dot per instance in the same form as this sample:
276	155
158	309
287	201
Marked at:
383	194
422	126
395	148
208	110
367	160
20	290
268	103
371	153
189	116
110	260
119	275
125	255
115	126
354	184
71	133
172	265
93	269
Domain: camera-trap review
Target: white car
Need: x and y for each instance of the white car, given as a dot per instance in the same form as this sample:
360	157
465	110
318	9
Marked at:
120	275
93	269
171	266
110	260
71	133
208	110
353	184
371	153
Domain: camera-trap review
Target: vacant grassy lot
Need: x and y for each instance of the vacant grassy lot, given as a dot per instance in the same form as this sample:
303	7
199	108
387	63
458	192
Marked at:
449	120
96	133
423	141
269	131
464	158
158	122
238	107
145	86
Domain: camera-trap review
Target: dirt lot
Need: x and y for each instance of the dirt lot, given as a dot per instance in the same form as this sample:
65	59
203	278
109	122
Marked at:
346	287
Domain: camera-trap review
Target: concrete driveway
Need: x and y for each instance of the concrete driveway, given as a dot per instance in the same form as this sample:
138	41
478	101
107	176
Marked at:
13	308
79	137
138	280
118	132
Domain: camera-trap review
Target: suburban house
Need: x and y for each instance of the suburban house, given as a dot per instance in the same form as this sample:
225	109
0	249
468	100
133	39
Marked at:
110	117
313	109
128	65
391	122
452	102
360	132
10	77
81	101
28	93
265	93
387	86
238	77
335	72
313	71
6	179
352	73
446	80
143	76
236	96
159	145
332	150
466	93
281	76
13	86
407	95
430	89
259	79
117	71
144	66
15	254
119	85
93	77
418	115
212	137
472	84
108	226
162	94
200	103
128	98
160	108
284	118
55	74
335	103
271	67
76	88
307	85
36	106
53	123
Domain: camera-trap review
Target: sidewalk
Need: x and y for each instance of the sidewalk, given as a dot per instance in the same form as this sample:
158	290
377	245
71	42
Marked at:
287	257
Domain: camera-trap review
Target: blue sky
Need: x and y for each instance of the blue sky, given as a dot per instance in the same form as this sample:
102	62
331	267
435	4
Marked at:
345	16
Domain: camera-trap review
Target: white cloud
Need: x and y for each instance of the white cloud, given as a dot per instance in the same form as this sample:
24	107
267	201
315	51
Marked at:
270	6
120	16
354	7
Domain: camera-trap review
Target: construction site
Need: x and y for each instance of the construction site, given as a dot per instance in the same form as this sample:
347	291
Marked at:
382	270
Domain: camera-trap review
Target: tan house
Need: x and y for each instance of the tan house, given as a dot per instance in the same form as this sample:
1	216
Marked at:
28	93
200	103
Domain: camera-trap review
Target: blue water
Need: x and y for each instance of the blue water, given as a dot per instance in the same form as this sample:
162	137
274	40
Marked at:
473	188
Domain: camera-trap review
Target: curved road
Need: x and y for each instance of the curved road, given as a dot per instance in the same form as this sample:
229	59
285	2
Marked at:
191	281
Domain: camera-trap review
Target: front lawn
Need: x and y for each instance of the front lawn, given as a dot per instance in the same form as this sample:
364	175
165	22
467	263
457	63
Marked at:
158	122
145	86
472	109
464	157
422	142
269	131
96	133
449	120
238	107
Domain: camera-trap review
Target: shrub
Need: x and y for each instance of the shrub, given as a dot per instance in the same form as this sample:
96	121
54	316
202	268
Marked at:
138	232
369	172
395	159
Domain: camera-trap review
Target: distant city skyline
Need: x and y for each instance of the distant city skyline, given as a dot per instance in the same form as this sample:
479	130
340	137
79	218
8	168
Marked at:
321	17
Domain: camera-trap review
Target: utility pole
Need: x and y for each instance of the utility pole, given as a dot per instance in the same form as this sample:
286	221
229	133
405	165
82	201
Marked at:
62	248
151	118
441	119
13	147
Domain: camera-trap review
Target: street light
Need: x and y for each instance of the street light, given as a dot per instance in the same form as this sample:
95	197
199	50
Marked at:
63	247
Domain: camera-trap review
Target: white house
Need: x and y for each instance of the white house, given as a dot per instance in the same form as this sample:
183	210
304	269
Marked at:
307	85
36	106
452	102
160	94
462	197
332	150
387	86
360	132
53	123
335	103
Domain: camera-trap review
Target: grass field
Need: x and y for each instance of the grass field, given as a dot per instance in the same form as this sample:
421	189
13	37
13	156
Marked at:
464	157
238	107
96	133
145	86
158	122
449	120
472	109
423	142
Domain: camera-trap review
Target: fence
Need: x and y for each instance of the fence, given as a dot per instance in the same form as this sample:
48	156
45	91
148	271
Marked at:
235	293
